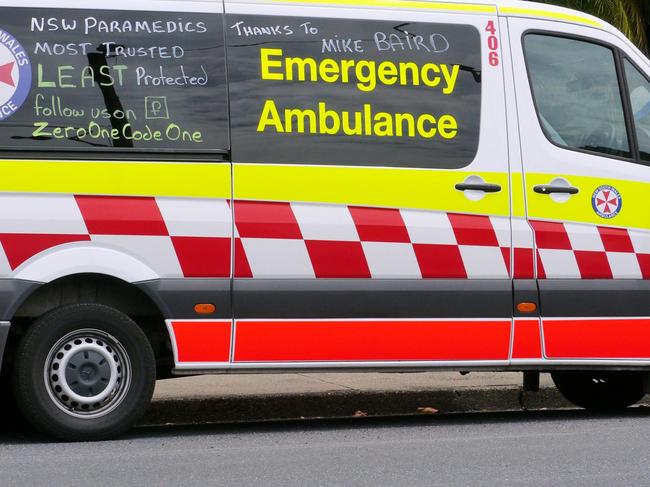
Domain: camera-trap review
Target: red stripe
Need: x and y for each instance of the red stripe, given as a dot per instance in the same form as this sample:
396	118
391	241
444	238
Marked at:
644	264
263	219
524	267
473	230
21	246
527	340
242	267
616	239
379	224
350	340
440	261
337	259
541	273
202	341
203	256
551	235
613	338
593	265
121	215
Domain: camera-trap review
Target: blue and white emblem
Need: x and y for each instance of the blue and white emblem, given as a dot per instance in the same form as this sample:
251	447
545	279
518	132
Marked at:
606	201
15	75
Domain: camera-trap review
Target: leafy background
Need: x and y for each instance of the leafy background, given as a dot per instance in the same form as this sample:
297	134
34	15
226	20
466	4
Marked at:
632	17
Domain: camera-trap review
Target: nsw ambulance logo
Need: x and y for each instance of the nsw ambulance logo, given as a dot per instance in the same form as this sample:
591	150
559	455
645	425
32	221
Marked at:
15	75
606	201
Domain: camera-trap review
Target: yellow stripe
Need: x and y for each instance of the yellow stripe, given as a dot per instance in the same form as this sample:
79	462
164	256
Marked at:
518	195
197	180
528	12
368	186
579	209
456	7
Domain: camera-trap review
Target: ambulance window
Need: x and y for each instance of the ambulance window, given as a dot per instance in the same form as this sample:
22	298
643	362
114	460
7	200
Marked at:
577	94
639	88
109	80
353	91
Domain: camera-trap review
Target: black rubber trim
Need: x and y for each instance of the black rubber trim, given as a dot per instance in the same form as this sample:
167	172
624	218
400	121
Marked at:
372	298
581	297
12	294
176	297
4	334
526	290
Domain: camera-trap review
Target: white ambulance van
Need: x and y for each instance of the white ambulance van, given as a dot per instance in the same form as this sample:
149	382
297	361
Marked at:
194	187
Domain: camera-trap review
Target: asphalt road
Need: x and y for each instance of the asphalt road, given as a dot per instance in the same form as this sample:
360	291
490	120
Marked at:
523	448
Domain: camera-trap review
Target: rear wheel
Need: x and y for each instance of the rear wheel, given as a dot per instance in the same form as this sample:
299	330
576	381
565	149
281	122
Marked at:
83	372
600	390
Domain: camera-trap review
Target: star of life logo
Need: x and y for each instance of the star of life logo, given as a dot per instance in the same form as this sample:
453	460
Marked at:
606	201
15	75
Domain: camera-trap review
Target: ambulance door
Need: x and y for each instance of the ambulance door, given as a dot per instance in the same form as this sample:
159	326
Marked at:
372	215
587	188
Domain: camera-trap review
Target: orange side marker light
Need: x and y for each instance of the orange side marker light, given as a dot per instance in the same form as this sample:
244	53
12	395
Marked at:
204	308
526	307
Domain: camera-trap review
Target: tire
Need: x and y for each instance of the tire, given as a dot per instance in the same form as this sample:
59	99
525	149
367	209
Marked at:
600	390
83	372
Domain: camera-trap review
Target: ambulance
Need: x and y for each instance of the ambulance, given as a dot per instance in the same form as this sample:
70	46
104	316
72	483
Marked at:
207	186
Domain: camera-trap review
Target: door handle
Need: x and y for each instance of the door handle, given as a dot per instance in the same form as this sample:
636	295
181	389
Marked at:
485	187
550	189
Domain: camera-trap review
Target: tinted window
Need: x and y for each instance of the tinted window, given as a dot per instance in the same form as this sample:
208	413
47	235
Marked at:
577	94
340	91
639	88
89	79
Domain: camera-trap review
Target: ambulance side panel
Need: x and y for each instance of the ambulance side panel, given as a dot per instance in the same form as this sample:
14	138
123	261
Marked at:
114	154
586	183
357	245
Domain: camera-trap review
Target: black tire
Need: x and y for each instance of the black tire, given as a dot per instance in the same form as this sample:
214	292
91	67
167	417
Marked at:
600	390
108	355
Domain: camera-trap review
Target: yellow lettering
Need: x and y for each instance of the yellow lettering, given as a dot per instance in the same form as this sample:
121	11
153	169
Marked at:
387	73
403	73
431	82
323	116
447	127
301	65
301	117
399	122
383	125
450	78
366	74
427	133
268	64
270	117
329	70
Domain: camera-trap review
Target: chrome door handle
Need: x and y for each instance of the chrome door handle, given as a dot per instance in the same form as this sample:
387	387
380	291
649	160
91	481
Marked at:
485	187
550	189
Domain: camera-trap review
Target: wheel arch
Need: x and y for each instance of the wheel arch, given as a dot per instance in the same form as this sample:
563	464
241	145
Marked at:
127	297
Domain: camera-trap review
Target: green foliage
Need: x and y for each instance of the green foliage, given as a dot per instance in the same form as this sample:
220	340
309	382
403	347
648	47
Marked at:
632	17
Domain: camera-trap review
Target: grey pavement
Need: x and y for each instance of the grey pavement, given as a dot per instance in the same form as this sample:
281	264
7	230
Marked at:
507	449
310	383
263	397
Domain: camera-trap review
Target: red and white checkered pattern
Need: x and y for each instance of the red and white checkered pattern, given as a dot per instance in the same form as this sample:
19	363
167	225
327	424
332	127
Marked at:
179	237
576	251
299	240
175	237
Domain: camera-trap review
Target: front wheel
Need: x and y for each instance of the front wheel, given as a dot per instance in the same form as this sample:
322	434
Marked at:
600	390
84	372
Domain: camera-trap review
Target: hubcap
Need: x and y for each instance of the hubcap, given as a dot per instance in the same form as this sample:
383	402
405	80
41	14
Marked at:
87	373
